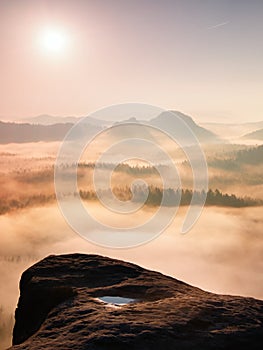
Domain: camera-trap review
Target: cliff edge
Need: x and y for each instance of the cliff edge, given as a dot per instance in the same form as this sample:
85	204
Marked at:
62	306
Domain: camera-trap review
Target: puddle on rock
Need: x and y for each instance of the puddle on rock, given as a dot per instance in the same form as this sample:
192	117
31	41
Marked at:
116	301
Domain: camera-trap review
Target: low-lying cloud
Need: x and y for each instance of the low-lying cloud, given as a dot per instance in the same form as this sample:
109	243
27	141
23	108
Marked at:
221	254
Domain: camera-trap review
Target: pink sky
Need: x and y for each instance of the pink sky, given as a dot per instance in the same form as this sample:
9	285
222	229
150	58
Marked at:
203	60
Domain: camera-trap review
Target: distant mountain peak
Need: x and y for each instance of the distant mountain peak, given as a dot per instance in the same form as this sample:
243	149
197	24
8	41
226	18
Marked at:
168	121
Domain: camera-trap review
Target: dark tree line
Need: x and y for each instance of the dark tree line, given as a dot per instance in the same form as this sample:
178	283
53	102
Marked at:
122	168
251	156
170	197
156	196
8	205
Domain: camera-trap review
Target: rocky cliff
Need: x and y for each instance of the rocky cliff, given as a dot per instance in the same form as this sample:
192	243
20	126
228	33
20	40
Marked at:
60	308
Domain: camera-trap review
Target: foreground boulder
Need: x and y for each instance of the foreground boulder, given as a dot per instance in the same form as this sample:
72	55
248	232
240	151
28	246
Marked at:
60	308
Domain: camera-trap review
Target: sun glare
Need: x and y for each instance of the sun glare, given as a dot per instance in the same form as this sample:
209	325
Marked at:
53	41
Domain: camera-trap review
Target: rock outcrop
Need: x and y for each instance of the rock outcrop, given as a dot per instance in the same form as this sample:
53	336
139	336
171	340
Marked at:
59	308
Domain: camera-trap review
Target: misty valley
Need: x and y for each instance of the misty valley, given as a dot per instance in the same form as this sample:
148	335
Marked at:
220	254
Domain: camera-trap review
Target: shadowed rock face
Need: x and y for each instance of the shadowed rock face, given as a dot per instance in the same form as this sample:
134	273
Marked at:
59	309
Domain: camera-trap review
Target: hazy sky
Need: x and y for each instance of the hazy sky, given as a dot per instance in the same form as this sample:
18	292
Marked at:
203	57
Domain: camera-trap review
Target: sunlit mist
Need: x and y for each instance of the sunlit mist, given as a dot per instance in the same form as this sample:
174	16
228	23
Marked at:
53	41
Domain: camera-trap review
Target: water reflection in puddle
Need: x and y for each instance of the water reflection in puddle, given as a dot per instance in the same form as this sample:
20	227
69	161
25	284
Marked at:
116	301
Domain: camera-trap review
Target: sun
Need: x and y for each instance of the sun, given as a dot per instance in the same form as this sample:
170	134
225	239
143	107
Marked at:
53	41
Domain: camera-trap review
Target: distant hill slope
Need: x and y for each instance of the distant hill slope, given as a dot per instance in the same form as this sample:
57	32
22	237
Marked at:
167	122
45	119
255	135
49	128
22	133
232	130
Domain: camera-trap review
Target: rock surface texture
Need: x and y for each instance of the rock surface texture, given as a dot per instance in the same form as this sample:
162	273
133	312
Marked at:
59	308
